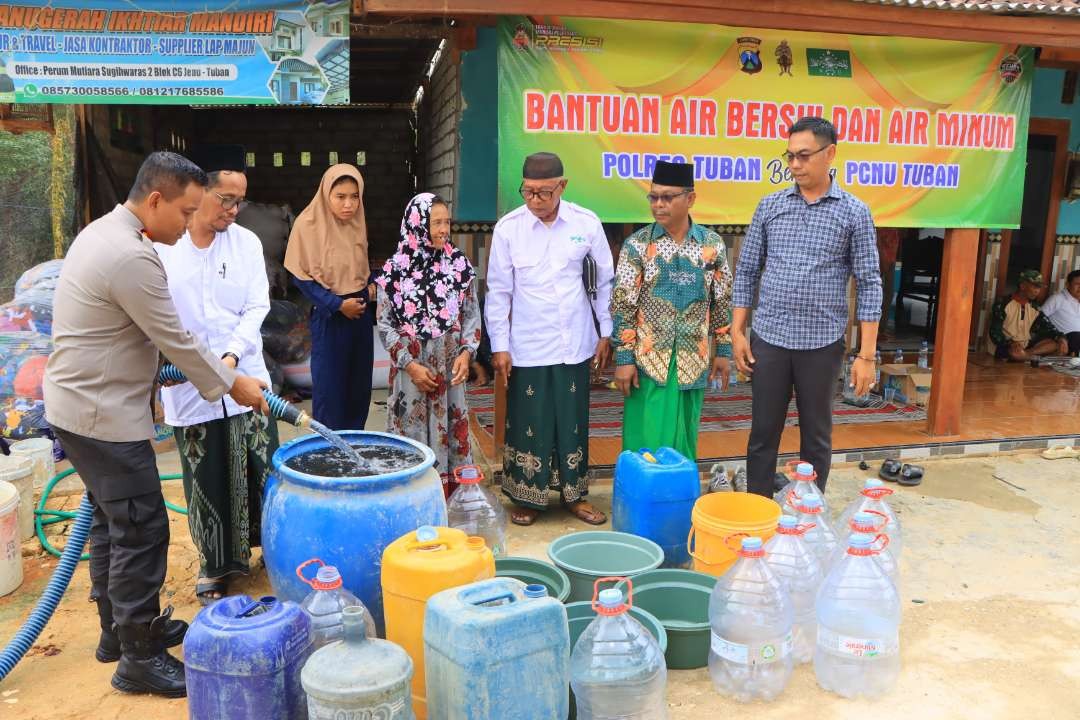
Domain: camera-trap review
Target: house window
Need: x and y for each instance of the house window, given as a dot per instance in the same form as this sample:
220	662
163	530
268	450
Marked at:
332	157
274	86
309	87
361	158
284	42
279	159
305	159
250	160
335	27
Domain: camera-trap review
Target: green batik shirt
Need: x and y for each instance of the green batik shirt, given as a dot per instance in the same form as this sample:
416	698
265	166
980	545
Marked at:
672	298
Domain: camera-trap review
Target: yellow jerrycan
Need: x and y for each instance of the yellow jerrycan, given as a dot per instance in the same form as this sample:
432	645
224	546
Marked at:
415	567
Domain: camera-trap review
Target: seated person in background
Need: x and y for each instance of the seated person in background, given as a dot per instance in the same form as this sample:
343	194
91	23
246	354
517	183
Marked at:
1063	310
1018	329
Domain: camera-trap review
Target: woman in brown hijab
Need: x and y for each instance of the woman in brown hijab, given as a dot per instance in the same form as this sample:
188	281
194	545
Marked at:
328	258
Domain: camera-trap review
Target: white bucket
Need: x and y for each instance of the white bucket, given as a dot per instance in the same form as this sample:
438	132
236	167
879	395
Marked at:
11	568
19	471
40	450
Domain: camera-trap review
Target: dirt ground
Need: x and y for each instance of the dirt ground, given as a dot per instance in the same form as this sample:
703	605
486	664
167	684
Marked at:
991	597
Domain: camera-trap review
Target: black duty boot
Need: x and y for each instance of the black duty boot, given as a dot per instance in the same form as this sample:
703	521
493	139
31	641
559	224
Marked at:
108	649
144	665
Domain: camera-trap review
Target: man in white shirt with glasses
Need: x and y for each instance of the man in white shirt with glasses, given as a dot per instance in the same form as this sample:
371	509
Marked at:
544	339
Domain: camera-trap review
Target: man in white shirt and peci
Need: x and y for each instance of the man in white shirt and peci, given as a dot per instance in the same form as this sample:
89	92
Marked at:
542	325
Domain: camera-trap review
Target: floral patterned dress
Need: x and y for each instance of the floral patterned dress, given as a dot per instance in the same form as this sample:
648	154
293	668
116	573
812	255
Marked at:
439	419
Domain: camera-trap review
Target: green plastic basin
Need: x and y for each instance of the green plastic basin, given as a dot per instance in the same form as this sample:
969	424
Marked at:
535	572
588	556
679	599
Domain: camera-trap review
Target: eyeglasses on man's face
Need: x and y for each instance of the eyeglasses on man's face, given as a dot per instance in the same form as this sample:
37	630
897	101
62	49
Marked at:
543	195
803	155
666	198
228	202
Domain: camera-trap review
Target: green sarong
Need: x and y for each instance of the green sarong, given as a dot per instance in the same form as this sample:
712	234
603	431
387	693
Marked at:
662	415
226	463
547	434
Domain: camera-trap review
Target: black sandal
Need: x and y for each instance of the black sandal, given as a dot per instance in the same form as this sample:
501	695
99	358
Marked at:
890	470
207	588
911	475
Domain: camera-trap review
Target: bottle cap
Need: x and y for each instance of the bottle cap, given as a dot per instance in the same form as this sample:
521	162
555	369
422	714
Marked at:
610	598
804	469
535	591
788	521
860	540
468	475
327	578
873	483
426	533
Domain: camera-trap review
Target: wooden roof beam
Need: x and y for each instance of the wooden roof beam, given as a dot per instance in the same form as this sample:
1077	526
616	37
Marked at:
836	16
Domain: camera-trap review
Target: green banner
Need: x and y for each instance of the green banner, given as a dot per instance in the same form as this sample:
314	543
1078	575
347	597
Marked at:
932	133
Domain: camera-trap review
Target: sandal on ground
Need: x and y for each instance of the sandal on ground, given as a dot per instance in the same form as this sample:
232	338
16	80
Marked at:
524	516
890	470
210	590
585	512
1059	453
911	475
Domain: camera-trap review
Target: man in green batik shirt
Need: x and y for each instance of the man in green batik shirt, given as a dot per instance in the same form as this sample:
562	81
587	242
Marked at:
671	309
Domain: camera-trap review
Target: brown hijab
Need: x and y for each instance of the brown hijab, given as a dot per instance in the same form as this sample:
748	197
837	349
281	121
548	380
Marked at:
326	250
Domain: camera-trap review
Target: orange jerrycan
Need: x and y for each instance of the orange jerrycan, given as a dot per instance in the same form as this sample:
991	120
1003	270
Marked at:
415	567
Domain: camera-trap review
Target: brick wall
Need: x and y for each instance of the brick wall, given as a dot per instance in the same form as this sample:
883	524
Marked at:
439	114
304	138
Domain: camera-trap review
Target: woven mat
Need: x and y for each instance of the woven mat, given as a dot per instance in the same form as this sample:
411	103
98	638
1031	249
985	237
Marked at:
1066	370
721	410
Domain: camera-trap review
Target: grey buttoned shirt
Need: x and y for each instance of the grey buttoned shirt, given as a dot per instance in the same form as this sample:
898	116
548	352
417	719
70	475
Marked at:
112	314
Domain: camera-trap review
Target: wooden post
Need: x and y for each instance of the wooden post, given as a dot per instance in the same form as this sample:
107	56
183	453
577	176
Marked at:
958	263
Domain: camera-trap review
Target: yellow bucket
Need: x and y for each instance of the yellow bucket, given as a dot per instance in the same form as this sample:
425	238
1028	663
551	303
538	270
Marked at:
415	567
720	520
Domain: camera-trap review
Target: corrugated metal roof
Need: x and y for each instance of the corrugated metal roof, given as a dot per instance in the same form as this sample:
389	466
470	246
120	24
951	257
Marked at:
1067	8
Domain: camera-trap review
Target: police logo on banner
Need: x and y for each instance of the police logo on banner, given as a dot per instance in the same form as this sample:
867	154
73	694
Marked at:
749	54
1010	69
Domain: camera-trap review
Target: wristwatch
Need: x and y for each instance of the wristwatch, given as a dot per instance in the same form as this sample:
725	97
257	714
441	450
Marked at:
234	356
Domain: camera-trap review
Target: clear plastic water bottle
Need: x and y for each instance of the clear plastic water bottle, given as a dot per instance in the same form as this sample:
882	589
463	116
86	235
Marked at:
617	670
872	499
751	616
898	356
801	573
924	355
858	612
325	603
803	484
870	523
475	509
819	535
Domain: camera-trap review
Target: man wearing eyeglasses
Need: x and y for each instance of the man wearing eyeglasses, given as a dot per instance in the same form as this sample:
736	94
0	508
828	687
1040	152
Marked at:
672	310
543	339
218	283
802	246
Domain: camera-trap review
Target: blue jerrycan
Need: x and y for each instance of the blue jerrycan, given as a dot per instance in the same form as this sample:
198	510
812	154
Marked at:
654	496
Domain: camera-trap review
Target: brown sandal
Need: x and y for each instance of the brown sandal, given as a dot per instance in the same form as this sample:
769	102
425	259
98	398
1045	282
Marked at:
585	512
524	515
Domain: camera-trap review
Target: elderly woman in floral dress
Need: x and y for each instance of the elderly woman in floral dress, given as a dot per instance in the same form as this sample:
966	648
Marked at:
429	321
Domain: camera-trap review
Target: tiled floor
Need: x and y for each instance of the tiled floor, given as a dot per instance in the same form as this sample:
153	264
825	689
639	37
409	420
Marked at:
1002	401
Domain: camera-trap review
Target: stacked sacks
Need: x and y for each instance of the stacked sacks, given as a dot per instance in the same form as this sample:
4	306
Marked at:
271	223
287	346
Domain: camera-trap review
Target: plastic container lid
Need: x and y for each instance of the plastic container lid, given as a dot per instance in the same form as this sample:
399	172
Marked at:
535	591
327	578
804	469
788	521
751	543
610	598
811	501
426	533
860	540
469	475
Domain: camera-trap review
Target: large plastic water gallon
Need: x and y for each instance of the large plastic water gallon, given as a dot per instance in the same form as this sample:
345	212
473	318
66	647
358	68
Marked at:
801	574
359	677
326	602
858	611
653	498
803	484
617	669
872	499
495	650
870	523
475	510
346	521
416	566
242	660
819	535
751	615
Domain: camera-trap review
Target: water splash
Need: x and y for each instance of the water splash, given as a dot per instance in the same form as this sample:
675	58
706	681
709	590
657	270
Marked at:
341	446
379	460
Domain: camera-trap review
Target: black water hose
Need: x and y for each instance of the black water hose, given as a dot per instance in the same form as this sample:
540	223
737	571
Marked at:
280	408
